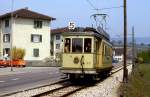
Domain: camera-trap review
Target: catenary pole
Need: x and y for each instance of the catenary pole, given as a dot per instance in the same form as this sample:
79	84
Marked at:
133	49
125	70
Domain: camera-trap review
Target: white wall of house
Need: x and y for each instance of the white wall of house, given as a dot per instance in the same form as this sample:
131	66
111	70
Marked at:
5	30
119	58
1	41
22	31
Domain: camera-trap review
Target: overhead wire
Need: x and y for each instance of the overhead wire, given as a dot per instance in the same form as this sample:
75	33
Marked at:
91	4
97	9
109	8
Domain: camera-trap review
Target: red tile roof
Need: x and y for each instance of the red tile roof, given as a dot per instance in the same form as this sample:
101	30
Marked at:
60	30
118	51
25	13
77	29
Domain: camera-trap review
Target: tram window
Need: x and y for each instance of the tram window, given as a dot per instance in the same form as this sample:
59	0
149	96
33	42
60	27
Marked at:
107	51
103	49
77	45
87	45
67	45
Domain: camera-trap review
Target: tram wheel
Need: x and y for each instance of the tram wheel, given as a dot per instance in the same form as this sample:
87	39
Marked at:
71	76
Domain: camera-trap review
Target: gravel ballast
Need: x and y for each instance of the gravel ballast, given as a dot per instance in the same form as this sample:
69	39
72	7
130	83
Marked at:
107	88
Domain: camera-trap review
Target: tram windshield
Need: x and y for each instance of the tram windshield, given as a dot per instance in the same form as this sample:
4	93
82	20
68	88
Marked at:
87	45
77	45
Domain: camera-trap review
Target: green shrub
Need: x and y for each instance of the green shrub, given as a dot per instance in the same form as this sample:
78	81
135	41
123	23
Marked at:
144	56
138	84
18	53
140	60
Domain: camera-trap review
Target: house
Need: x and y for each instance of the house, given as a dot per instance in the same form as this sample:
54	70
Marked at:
118	54
30	31
57	41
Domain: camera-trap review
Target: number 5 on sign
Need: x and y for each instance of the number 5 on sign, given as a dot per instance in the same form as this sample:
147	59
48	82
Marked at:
71	25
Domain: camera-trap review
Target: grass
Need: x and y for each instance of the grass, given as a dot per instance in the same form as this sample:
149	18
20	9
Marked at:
138	84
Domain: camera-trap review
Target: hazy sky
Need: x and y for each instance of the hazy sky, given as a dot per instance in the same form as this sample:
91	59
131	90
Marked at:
80	11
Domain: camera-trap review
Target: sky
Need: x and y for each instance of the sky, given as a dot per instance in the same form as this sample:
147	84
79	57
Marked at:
80	11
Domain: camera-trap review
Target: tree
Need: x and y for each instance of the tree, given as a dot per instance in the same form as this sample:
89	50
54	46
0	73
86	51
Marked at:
142	44
120	42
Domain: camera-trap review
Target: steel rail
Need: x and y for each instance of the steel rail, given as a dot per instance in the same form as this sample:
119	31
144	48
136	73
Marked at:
51	91
57	82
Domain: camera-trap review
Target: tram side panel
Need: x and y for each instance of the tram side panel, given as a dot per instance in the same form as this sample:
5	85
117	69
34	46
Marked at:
106	56
98	54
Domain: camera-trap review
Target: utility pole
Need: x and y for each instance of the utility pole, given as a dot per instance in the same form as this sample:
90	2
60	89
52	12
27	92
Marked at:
11	35
125	70
133	48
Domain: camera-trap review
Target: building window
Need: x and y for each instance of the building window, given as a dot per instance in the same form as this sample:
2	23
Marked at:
57	46
6	53
6	38
36	38
6	23
57	37
52	52
36	52
37	24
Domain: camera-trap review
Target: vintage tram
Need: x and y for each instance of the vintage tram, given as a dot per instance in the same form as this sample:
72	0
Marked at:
87	52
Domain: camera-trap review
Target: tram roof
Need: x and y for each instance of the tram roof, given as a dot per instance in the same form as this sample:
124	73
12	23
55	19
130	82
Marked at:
83	34
86	33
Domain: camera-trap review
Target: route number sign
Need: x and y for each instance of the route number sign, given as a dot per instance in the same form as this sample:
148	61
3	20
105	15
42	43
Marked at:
71	25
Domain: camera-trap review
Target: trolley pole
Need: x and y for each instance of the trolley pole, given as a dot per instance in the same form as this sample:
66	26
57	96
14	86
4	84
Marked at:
133	48
125	70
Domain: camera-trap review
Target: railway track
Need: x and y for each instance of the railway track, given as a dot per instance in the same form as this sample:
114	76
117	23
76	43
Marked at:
70	89
35	89
62	91
116	69
52	91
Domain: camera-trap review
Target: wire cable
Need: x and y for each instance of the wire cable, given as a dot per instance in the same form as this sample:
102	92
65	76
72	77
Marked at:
91	4
109	8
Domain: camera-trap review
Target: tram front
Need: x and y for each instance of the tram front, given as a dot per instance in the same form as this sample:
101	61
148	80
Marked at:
78	55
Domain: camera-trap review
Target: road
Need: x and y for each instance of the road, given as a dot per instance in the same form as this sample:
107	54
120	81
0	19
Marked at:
22	81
